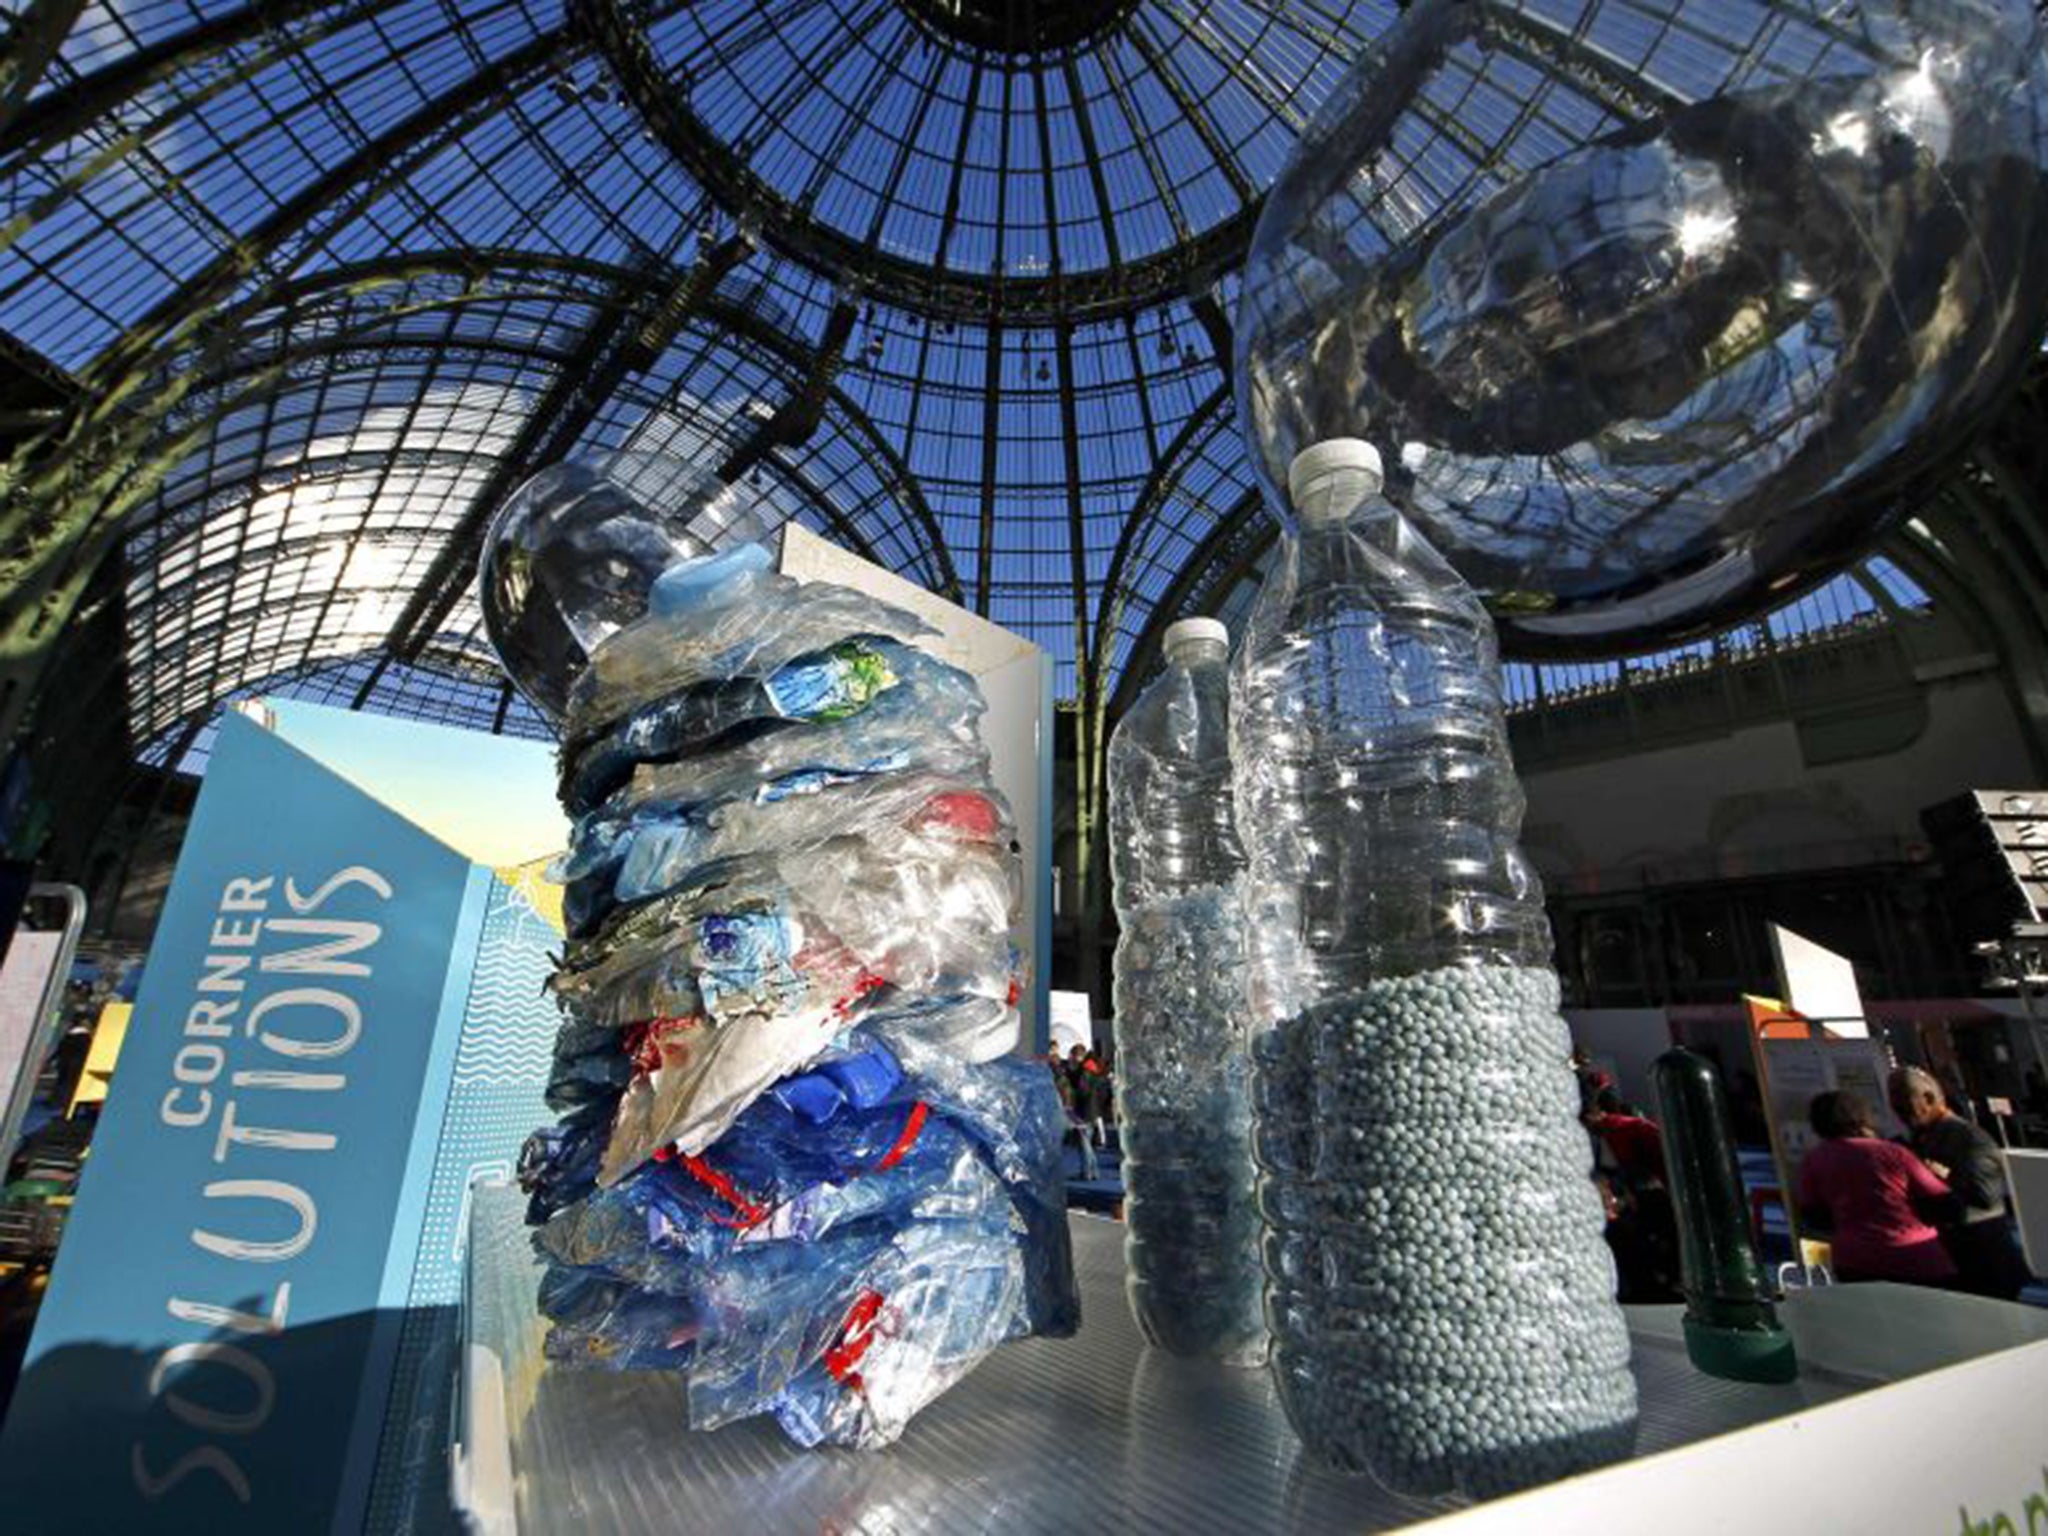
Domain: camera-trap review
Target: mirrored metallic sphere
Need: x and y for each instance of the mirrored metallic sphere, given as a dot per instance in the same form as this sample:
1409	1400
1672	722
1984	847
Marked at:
571	557
1654	316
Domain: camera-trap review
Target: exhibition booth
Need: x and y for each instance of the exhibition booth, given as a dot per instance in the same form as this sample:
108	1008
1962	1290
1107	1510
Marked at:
298	1287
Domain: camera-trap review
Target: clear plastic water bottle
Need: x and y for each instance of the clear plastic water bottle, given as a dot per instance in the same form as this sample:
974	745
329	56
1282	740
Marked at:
1441	1299
1184	1091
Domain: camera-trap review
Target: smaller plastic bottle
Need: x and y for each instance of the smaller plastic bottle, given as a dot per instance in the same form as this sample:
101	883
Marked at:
1184	1091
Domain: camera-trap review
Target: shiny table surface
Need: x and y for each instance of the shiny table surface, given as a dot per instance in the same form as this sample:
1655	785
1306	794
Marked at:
1093	1432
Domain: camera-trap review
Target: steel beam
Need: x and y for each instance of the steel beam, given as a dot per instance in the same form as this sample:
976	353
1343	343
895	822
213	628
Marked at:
1088	753
1166	472
798	418
66	491
737	319
80	104
551	430
29	44
927	289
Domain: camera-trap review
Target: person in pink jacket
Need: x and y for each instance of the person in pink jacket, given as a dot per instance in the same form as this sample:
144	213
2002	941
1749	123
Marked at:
1876	1203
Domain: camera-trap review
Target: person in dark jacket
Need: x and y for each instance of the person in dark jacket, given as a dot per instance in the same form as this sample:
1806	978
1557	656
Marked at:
1091	1098
1966	1160
1063	1082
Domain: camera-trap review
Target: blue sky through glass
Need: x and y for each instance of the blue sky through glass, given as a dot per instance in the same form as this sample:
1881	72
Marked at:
448	201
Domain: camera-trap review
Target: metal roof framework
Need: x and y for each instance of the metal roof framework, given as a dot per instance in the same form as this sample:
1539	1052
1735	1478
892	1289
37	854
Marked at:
295	292
1030	241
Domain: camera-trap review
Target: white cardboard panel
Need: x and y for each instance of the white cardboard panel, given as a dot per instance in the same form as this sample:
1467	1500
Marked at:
1962	1450
1013	674
1819	983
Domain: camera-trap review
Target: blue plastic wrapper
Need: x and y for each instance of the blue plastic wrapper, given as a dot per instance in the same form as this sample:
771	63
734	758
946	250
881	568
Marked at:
824	686
709	581
837	1273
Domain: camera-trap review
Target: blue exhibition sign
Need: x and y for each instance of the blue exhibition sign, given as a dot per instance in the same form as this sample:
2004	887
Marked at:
220	1325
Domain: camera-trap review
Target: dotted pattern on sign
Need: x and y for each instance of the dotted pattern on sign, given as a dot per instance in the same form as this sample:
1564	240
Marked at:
494	1102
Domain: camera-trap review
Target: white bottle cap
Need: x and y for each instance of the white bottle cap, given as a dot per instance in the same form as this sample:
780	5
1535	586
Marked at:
1183	633
1330	480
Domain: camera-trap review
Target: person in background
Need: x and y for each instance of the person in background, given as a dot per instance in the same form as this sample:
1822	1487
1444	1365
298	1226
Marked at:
1876	1202
1091	1098
1632	1141
1591	1078
1967	1161
1642	1228
1063	1084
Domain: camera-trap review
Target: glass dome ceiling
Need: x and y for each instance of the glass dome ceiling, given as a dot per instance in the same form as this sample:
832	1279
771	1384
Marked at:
1050	160
947	278
311	287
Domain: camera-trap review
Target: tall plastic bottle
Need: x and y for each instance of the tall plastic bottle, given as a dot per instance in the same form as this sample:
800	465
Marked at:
1441	1299
1184	1090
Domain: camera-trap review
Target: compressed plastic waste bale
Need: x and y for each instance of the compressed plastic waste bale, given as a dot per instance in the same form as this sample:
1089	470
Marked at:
794	1165
1441	1298
1183	1065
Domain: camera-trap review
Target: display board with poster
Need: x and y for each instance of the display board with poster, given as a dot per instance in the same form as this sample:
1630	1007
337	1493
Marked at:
251	1324
1797	1070
1797	1059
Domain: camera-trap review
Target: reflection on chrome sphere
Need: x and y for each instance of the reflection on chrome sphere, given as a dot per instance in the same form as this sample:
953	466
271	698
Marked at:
1653	347
571	557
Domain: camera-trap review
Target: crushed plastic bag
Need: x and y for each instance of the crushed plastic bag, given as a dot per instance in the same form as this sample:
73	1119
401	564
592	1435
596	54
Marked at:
717	619
838	1271
935	916
623	860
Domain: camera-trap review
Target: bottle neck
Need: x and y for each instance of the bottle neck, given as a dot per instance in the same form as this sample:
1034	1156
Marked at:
1198	653
1334	542
1363	512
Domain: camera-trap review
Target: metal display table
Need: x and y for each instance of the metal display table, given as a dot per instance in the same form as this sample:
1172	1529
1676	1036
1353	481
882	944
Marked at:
1092	1432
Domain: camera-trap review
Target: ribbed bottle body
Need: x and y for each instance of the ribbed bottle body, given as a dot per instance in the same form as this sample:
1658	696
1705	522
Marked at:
1440	1296
1184	1089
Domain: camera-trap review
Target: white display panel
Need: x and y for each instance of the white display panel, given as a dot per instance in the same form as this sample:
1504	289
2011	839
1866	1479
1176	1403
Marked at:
1962	1450
1016	678
1073	1021
1819	983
